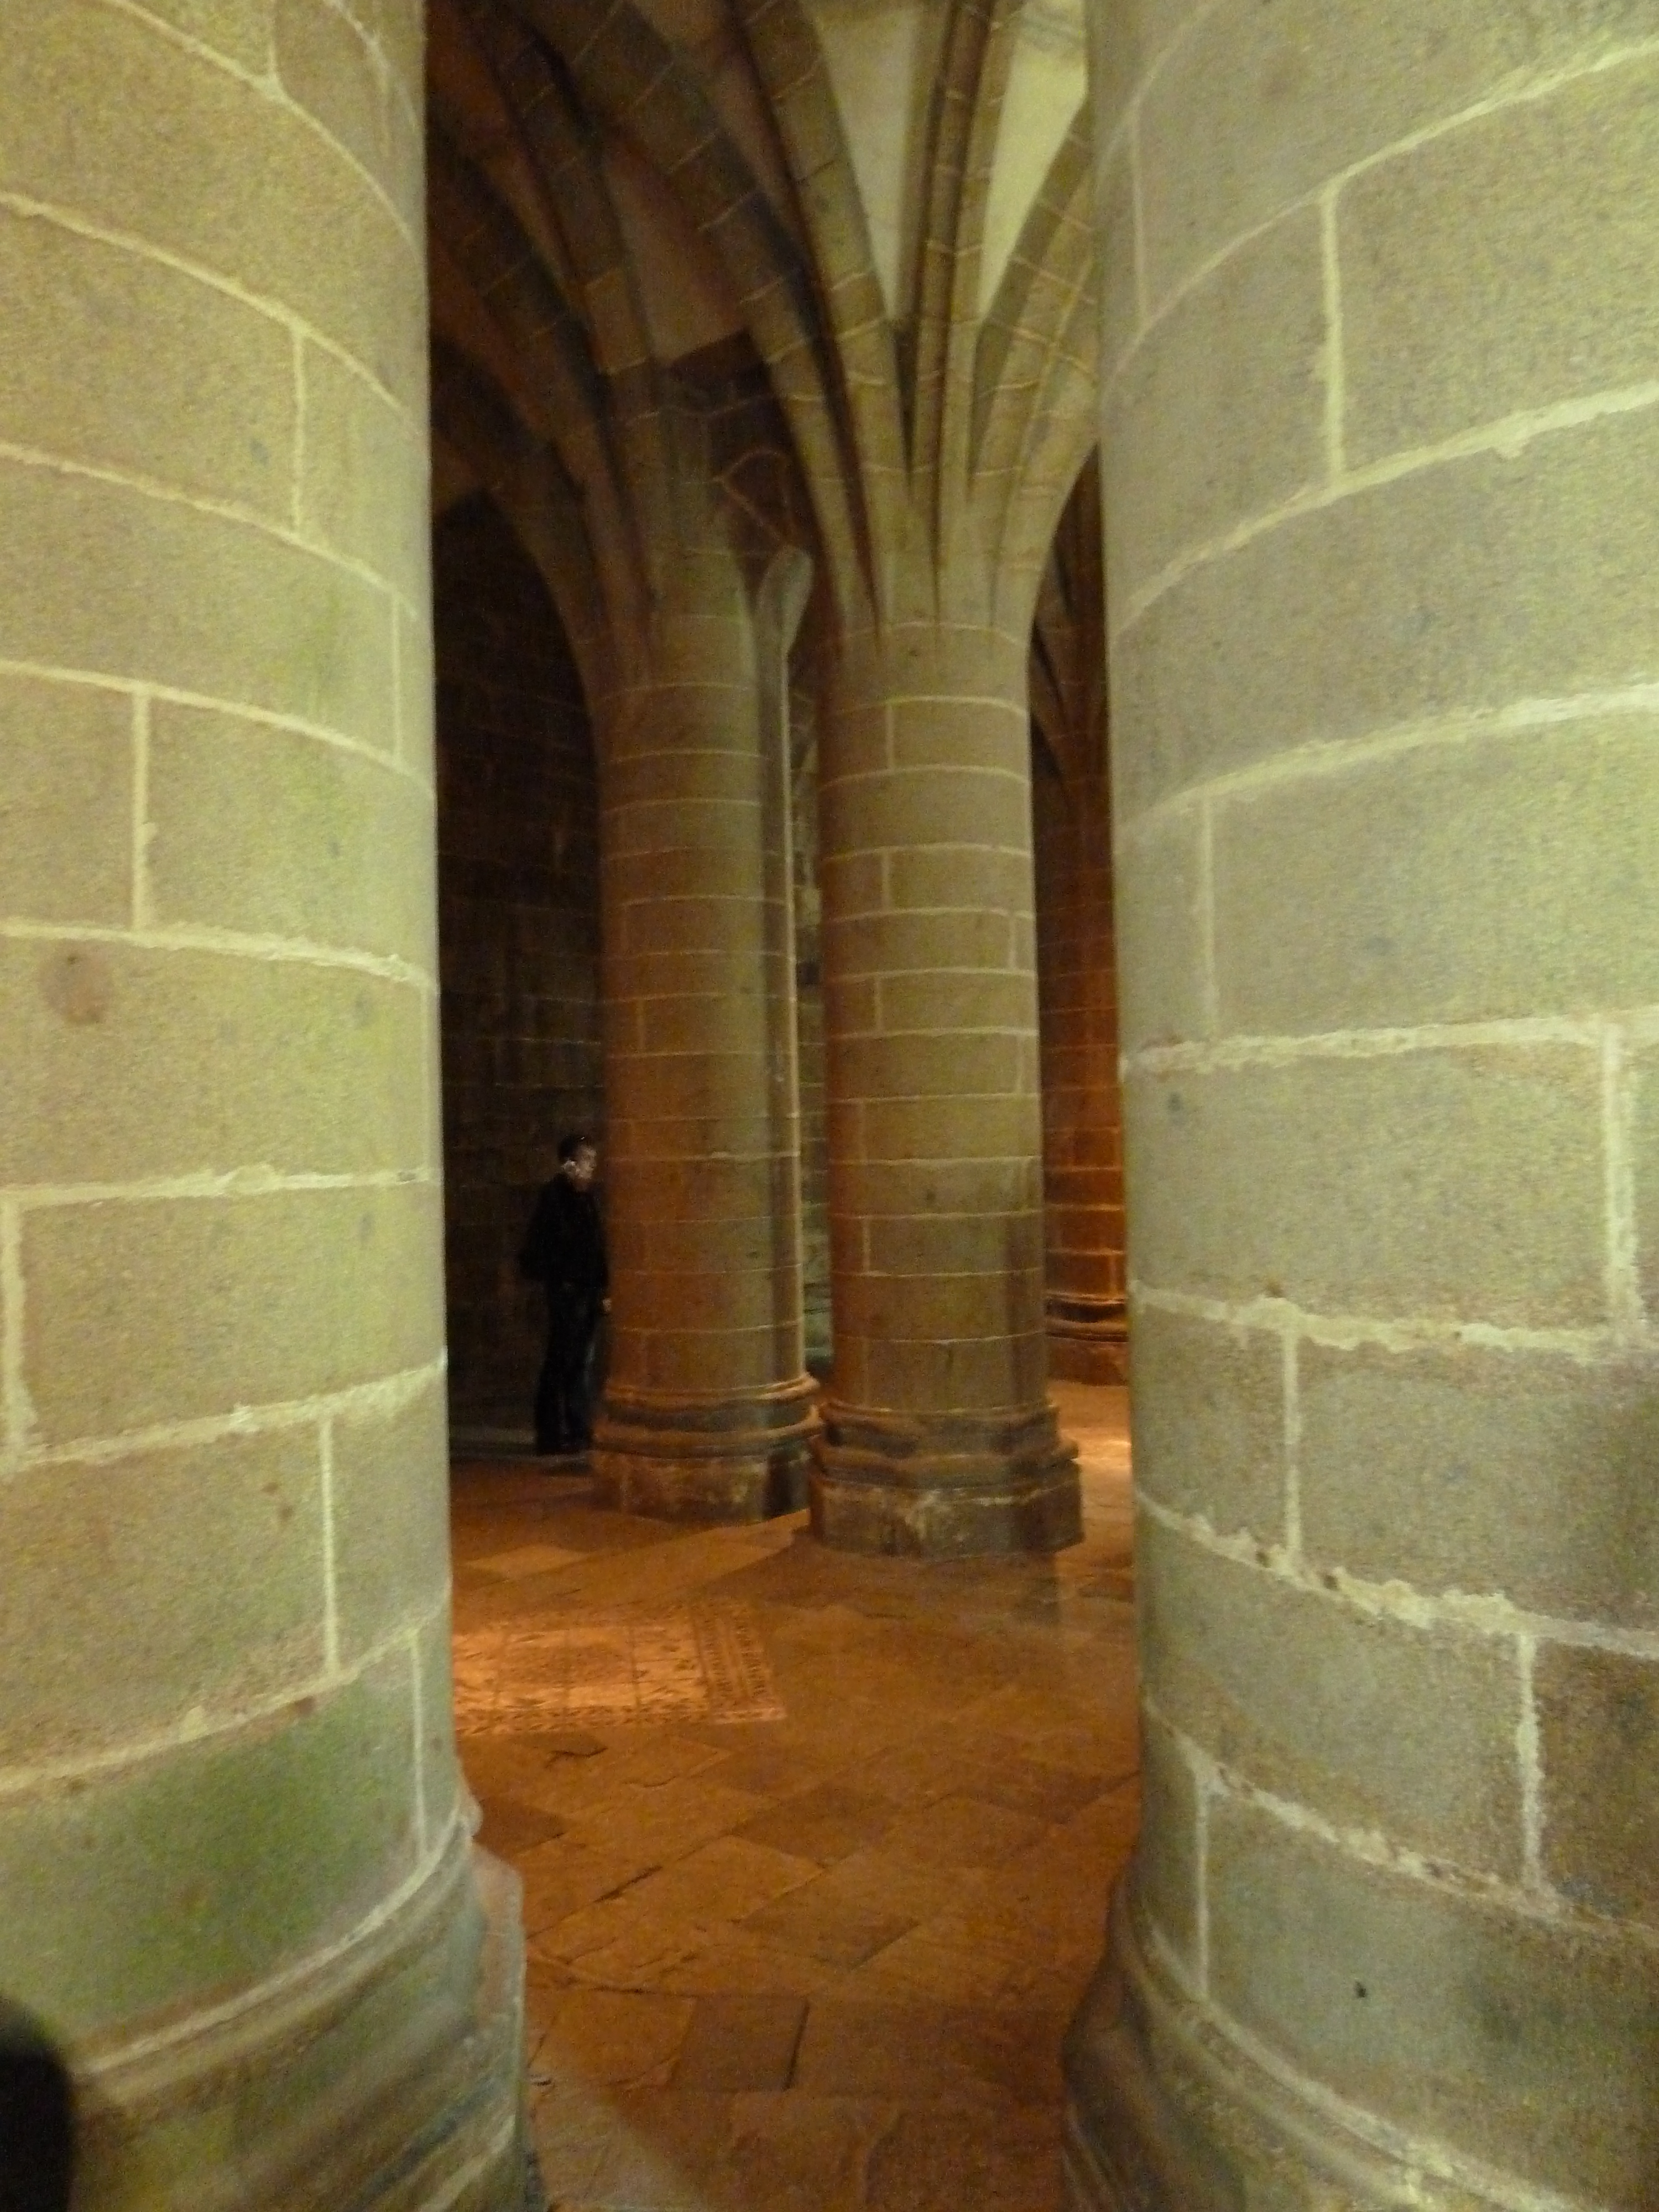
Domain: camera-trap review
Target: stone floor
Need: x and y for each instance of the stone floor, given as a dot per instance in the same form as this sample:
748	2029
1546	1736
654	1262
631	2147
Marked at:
814	1848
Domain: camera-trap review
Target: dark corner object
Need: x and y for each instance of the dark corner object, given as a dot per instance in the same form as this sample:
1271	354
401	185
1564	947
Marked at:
37	2118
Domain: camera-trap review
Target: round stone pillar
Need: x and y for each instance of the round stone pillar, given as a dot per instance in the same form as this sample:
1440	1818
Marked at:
937	1436
239	1890
707	1408
1381	431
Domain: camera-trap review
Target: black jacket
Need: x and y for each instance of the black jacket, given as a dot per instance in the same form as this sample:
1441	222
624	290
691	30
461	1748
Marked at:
564	1245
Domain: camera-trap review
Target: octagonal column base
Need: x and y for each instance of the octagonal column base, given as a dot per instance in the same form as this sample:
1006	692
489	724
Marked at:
956	1486
736	1455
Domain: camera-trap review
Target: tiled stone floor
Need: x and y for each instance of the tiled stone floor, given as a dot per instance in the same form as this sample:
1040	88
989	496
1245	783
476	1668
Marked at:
819	1962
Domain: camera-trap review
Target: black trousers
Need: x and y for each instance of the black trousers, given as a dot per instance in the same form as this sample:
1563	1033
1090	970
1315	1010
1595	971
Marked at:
563	1420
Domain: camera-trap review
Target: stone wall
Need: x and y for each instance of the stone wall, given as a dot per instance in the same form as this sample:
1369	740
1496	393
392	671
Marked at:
518	872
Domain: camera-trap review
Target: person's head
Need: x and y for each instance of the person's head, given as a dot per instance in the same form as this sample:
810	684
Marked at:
578	1158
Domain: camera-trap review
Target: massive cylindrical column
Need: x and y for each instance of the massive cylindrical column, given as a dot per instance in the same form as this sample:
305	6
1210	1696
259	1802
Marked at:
238	1886
1081	1099
1381	431
708	1407
937	1434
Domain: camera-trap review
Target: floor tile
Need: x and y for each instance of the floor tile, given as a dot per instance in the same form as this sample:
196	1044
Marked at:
826	1823
525	1560
821	1961
930	2053
614	2037
961	1831
736	2043
828	1925
511	1828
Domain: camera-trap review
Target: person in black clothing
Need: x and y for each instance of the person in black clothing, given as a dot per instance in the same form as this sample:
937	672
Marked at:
564	1249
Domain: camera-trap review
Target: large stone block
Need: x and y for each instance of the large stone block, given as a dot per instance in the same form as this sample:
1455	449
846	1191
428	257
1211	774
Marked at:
210	1864
1127	40
739	1021
1114	202
113	1630
207	1029
189	601
1161	934
65	801
102	341
899	943
971	1187
973	808
1644	1165
920	879
951	1130
1494	879
1503	267
1168	1876
955	1004
389	1496
1209	1421
328	66
991	734
1498	1473
1407	1732
986	1248
1529	2046
1440	1184
935	1064
110	117
238	29
1450	592
882	1307
363	489
200	1305
440	1774
1223	406
701	924
1598	1738
260	829
416	688
957	1376
645	862
1283	98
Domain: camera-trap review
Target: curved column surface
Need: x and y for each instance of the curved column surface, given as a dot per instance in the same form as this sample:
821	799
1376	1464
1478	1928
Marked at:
1380	429
239	1887
938	1435
708	1407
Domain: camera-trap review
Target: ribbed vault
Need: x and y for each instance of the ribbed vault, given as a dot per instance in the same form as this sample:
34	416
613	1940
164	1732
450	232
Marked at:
611	183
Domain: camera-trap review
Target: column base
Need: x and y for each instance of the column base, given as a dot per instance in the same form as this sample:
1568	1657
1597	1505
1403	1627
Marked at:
958	1485
740	1455
1166	2113
387	2078
1088	1339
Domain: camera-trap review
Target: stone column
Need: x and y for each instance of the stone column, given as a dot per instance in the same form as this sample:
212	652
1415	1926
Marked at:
1081	1099
239	1885
937	1434
708	1408
1381	432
